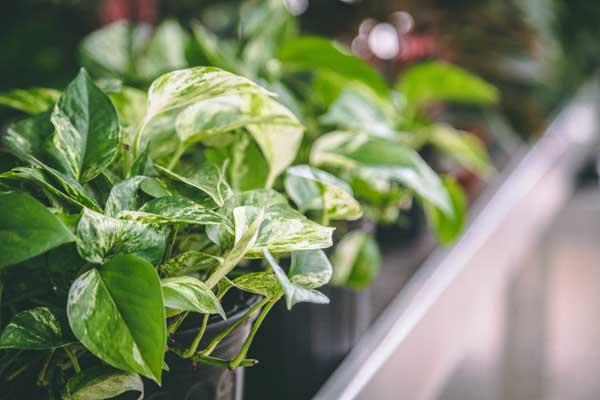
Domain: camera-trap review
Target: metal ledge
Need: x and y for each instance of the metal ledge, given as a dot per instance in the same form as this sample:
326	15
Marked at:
410	349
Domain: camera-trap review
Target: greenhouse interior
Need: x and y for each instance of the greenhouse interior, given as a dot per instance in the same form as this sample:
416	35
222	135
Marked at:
299	199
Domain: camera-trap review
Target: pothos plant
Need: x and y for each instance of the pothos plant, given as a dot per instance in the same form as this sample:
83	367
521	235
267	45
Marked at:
123	212
362	136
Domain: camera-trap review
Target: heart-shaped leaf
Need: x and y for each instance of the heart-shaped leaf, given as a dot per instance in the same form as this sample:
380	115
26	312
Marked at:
117	313
27	229
295	291
87	129
206	178
186	293
261	283
313	189
101	383
40	328
99	237
124	196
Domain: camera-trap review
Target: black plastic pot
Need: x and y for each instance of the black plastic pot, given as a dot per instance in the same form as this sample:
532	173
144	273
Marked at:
187	380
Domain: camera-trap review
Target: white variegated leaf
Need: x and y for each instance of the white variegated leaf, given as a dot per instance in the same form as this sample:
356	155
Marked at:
102	382
186	293
206	178
188	262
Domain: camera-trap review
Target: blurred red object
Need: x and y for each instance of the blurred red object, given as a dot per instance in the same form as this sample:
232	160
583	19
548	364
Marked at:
132	10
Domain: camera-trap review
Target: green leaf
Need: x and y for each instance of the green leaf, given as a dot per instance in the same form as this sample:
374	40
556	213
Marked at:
284	229
249	169
313	189
164	52
380	159
295	291
130	104
87	129
175	210
356	260
185	87
117	313
102	382
99	237
188	262
261	283
207	178
310	269
438	81
464	148
40	328
124	196
356	111
186	293
28	137
448	227
30	101
211	49
27	229
314	53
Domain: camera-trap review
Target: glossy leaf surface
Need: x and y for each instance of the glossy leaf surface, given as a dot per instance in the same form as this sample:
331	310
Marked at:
101	382
190	294
40	328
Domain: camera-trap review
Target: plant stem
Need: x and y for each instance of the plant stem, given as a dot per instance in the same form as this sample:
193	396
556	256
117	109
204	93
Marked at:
219	362
176	156
172	244
324	218
73	359
173	326
236	362
194	346
41	381
213	344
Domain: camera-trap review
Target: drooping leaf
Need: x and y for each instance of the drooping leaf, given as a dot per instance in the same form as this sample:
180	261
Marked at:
295	292
314	53
188	262
380	159
463	147
117	313
448	227
313	189
87	129
99	237
175	210
261	283
186	293
438	81
356	260
207	178
30	101
40	328
27	229
124	196
284	229
102	382
355	111
310	268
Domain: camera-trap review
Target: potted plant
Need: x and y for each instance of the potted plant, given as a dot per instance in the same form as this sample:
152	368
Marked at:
124	248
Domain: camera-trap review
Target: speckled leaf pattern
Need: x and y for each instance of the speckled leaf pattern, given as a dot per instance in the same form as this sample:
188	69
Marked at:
99	237
261	283
27	229
117	313
207	178
124	196
310	268
187	86
186	293
284	229
40	328
101	382
380	159
188	262
313	189
28	137
175	210
294	293
87	129
356	260
30	101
